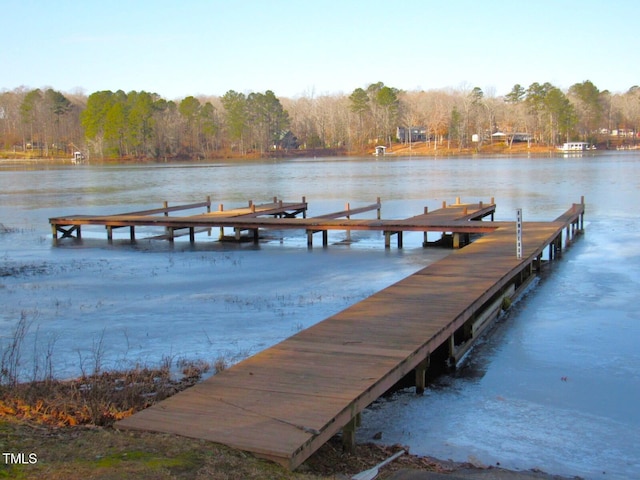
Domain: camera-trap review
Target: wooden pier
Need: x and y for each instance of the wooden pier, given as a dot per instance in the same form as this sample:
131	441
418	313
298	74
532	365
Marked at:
288	400
457	219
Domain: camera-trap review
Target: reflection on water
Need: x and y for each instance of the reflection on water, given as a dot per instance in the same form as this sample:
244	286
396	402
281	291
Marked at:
557	387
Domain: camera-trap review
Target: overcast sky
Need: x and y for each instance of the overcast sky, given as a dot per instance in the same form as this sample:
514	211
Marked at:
304	47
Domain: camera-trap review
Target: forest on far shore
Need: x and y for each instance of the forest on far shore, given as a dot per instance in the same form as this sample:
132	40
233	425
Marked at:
142	125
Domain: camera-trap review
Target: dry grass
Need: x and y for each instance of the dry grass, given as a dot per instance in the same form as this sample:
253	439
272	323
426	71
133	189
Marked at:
98	399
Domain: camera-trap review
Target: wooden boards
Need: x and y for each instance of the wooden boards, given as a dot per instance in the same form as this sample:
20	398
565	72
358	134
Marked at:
286	401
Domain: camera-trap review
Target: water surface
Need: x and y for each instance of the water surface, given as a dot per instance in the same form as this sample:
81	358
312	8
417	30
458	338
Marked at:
556	387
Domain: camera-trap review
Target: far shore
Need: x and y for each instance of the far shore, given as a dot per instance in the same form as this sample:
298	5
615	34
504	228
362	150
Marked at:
418	149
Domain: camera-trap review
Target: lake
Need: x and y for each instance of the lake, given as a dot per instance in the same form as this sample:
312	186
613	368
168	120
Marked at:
555	387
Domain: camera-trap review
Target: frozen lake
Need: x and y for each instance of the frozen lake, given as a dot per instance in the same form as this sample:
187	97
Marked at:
556	387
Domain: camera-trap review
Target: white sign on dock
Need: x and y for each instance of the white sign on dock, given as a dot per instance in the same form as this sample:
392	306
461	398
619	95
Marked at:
519	233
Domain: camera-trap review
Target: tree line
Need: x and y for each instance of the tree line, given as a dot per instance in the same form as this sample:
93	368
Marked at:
110	124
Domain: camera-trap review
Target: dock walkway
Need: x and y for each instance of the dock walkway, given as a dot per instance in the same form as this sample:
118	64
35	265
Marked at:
288	400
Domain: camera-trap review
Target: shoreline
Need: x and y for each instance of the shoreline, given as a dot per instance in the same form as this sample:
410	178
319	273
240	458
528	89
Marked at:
103	452
420	149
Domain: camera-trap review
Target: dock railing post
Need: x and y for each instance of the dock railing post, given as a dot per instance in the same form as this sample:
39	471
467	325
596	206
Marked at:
425	239
221	209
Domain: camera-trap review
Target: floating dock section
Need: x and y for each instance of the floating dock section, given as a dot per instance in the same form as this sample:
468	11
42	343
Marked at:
288	400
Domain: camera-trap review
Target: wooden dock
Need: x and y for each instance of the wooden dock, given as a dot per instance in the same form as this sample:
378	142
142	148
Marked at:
457	219
288	400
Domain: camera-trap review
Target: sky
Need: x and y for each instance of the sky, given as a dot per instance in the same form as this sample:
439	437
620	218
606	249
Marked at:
316	47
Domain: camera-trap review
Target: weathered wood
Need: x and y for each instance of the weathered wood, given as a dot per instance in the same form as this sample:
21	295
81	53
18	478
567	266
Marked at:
288	400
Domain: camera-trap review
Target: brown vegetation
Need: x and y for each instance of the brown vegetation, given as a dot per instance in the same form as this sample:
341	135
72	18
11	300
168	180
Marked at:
142	125
99	399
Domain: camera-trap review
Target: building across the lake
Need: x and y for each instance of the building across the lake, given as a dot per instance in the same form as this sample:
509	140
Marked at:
411	134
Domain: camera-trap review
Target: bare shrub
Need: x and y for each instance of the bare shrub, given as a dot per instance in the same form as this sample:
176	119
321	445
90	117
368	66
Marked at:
12	352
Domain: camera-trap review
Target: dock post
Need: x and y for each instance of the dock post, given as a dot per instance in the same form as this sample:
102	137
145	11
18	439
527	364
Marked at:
399	239
221	209
109	233
425	240
558	244
309	238
192	235
325	238
208	203
452	352
421	375
456	240
387	239
379	207
347	208
132	233
54	232
256	236
349	435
